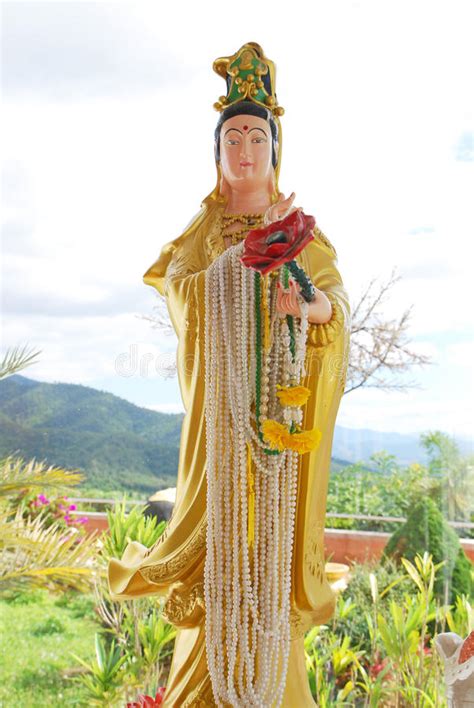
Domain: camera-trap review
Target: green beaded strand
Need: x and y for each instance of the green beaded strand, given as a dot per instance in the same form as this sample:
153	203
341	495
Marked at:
289	318
258	354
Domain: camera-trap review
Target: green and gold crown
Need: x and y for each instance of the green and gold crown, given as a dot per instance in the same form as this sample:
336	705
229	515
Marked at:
249	76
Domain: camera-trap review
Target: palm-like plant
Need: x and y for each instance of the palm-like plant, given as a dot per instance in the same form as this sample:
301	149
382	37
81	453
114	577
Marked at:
15	360
32	553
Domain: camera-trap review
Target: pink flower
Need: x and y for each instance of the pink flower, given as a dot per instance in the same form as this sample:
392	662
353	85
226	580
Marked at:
72	507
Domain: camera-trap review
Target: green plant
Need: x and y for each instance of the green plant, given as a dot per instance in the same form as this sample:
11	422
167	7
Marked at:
405	638
135	626
129	526
391	661
460	618
374	683
331	664
360	592
427	530
105	678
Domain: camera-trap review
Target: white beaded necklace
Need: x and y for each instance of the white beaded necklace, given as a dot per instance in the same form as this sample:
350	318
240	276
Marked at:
247	595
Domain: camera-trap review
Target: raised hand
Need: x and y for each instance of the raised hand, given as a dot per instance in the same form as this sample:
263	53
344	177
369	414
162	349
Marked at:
281	208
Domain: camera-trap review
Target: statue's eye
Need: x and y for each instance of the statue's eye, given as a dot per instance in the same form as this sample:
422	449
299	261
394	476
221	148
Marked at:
259	140
232	142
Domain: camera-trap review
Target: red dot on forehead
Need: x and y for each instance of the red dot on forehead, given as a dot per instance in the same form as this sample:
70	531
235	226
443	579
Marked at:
246	127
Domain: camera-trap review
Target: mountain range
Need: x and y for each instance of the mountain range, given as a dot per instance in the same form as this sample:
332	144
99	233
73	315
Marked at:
121	446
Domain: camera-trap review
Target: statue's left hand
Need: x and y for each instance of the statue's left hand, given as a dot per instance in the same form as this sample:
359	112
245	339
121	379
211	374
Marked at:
287	299
288	303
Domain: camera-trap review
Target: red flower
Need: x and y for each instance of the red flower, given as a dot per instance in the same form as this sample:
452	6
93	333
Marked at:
270	247
379	665
148	701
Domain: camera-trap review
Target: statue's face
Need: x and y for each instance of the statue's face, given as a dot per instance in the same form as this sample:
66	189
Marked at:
246	152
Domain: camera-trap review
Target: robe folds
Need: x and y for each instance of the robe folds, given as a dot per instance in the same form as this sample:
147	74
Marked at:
173	568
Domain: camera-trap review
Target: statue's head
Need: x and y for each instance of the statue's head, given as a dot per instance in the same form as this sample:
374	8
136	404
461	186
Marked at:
246	147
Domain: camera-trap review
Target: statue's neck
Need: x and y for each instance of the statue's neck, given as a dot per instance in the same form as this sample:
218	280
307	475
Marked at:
248	202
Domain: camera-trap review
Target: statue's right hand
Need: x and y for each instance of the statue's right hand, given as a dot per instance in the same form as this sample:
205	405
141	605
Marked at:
281	208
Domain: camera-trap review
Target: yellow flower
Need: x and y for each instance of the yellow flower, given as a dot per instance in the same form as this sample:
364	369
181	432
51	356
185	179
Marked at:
275	434
293	395
279	437
304	441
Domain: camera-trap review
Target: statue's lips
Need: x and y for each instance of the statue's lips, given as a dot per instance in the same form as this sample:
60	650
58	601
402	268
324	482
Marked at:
246	164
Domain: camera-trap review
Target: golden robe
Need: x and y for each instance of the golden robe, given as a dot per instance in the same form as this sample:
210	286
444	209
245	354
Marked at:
174	567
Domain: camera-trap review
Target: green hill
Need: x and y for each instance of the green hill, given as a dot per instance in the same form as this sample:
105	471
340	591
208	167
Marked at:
118	445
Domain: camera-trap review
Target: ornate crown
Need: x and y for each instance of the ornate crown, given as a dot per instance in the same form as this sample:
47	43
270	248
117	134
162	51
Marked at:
249	76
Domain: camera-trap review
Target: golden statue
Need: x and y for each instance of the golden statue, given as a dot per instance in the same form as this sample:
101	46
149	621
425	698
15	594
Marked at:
253	343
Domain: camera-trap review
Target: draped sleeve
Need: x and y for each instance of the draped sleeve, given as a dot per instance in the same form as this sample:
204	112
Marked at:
173	566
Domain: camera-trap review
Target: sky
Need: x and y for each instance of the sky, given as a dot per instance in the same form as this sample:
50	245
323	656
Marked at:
107	153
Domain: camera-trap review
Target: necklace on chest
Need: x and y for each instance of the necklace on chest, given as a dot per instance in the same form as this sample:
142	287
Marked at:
248	221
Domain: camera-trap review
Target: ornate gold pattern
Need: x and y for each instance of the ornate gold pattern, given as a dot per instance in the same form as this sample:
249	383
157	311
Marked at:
322	334
163	571
243	73
202	696
215	245
187	609
314	556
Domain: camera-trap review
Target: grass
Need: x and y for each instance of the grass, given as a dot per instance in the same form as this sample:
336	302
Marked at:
37	631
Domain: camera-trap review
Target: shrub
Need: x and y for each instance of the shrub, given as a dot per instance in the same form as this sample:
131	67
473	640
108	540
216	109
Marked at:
427	530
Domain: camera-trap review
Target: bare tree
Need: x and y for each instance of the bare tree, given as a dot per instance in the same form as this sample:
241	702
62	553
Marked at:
160	319
379	346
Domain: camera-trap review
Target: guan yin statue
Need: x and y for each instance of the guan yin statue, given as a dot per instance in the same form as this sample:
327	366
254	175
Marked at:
263	325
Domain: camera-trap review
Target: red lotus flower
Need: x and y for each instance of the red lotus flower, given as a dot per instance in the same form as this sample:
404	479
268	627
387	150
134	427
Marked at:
270	247
148	701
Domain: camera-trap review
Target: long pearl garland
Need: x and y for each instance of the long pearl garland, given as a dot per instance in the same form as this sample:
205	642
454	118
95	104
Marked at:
247	591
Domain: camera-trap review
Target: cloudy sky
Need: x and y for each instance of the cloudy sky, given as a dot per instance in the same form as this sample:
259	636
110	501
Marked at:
108	152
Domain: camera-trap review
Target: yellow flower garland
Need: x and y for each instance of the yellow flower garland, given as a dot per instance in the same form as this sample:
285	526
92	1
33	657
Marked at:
275	433
293	395
279	437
